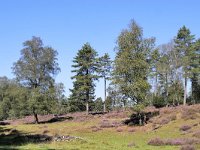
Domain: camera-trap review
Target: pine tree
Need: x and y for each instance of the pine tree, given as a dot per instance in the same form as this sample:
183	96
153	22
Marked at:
155	57
85	68
184	45
196	72
105	72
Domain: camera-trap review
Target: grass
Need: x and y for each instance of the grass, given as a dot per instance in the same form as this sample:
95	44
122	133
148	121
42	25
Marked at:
104	139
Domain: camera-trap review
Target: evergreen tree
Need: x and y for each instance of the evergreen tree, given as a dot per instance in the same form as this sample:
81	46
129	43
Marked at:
105	72
184	45
13	99
86	69
98	104
155	57
195	79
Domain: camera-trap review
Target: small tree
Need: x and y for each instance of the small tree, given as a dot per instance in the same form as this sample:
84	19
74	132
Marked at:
98	104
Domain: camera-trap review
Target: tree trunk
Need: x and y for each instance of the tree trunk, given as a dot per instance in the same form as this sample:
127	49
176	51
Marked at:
36	117
87	108
194	88
167	89
156	86
185	92
104	104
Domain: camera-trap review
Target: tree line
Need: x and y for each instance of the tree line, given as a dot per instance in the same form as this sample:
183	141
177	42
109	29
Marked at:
140	75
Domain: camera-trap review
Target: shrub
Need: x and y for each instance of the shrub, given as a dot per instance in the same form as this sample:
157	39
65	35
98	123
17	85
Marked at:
106	124
187	147
182	141
159	102
162	121
172	117
156	142
196	134
119	130
189	113
185	128
116	124
178	141
138	108
96	129
132	130
132	144
45	132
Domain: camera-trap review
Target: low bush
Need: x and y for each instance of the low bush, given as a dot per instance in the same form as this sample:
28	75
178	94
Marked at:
185	128
132	144
119	130
172	117
189	113
178	141
45	132
156	142
182	141
132	130
159	102
187	147
196	134
164	121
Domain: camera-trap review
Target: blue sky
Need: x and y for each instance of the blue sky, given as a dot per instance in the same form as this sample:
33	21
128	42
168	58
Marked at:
67	24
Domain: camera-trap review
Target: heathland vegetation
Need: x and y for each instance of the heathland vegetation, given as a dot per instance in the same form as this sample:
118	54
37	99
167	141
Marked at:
152	84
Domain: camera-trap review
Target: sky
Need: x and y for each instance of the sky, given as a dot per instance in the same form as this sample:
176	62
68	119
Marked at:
66	25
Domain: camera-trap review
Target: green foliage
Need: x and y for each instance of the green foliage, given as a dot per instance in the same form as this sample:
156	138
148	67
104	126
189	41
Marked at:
75	105
36	69
109	103
137	65
138	108
98	104
37	65
86	68
184	45
158	101
175	96
195	79
131	65
105	72
105	66
4	108
115	96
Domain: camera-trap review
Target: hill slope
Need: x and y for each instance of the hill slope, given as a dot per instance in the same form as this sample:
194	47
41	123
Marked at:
173	128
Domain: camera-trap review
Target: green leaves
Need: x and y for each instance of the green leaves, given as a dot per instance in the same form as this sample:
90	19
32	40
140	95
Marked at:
131	63
36	69
37	65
